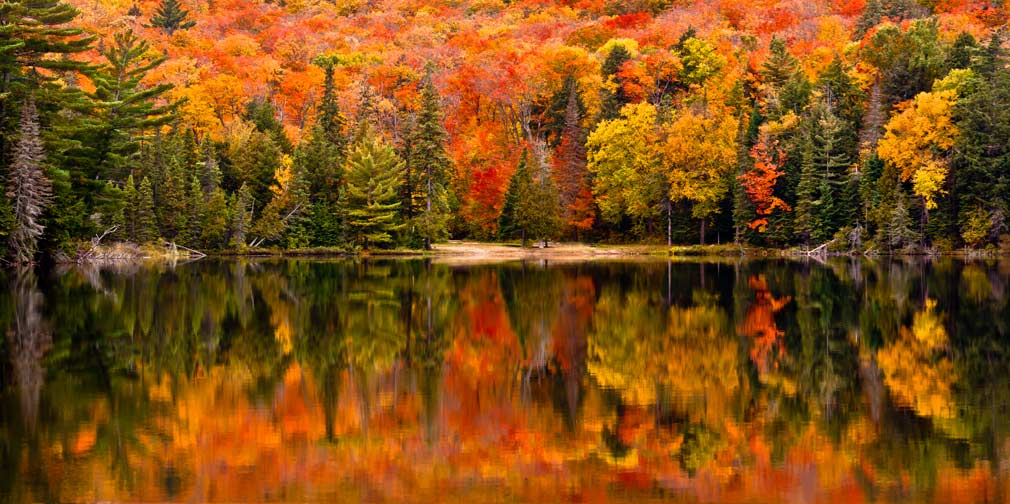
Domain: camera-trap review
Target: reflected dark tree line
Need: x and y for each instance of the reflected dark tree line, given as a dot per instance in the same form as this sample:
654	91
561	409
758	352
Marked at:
902	361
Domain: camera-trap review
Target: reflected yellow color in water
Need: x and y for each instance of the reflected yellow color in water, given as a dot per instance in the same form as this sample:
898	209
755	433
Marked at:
585	382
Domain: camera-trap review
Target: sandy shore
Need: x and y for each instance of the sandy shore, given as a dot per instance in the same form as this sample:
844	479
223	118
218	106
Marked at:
483	251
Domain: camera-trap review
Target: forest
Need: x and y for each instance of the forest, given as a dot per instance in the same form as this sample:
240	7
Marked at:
876	126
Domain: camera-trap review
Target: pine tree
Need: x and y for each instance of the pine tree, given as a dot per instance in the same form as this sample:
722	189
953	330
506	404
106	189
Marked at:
830	157
298	225
613	96
430	165
331	120
171	203
129	230
214	228
784	85
263	114
171	17
195	209
255	162
29	190
510	224
373	183
127	108
241	216
145	218
899	231
321	162
806	194
540	210
210	171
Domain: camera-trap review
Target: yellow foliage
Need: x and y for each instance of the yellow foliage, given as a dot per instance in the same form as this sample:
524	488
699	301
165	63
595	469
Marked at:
700	150
918	139
282	175
915	369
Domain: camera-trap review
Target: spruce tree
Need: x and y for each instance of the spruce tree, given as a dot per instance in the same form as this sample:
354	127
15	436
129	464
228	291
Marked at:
29	190
540	210
373	183
331	120
195	209
171	203
832	161
171	17
430	165
241	216
784	85
613	96
210	170
145	218
214	227
129	230
806	194
255	162
510	223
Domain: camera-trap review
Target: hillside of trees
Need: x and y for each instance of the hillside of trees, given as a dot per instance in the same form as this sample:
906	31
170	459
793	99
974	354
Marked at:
881	125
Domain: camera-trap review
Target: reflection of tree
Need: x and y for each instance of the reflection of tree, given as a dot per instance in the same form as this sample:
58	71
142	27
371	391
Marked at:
29	339
531	295
916	366
759	325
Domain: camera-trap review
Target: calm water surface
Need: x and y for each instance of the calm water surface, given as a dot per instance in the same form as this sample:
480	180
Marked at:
866	381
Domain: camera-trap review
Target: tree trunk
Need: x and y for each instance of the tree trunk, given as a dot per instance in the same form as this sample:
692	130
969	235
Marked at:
427	232
669	223
702	231
523	234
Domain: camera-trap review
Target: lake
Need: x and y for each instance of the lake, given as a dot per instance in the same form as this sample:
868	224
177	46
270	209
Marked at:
413	380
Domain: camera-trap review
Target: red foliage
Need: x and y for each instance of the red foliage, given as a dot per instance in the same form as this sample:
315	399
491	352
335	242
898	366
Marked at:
759	182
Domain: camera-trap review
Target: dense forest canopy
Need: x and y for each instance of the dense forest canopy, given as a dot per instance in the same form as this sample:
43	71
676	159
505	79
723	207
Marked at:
875	126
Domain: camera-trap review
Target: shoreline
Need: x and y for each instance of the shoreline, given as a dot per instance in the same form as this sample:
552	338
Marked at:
478	251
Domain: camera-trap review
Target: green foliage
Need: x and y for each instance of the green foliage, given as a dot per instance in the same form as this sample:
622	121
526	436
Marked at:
374	175
145	223
171	17
427	174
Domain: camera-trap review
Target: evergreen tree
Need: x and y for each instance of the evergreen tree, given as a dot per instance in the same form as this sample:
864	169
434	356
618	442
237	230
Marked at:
784	85
834	210
540	210
298	225
128	231
263	114
171	17
321	163
331	120
806	195
899	232
430	165
195	209
255	162
981	161
510	224
613	96
214	227
29	190
127	108
373	184
145	218
210	171
241	216
171	203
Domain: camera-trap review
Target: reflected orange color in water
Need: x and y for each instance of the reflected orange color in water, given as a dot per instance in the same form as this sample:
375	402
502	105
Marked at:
503	418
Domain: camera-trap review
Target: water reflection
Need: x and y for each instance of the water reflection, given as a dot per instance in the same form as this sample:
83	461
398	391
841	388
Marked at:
391	380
